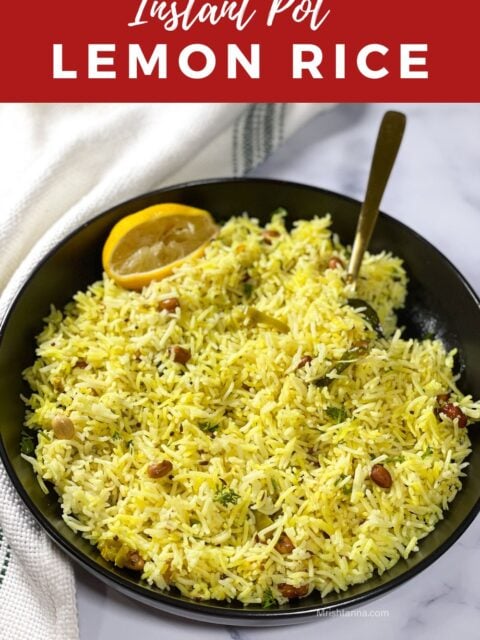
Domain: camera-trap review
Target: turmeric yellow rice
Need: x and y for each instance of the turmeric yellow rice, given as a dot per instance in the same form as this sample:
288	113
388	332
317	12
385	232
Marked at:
239	430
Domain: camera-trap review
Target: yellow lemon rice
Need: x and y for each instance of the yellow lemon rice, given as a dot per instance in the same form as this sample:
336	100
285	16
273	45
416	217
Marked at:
259	453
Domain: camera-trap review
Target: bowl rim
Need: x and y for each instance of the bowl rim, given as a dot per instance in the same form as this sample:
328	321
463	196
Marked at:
208	611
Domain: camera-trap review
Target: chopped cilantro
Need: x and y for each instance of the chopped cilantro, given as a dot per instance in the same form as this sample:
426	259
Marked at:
116	435
337	413
428	452
208	427
226	496
268	599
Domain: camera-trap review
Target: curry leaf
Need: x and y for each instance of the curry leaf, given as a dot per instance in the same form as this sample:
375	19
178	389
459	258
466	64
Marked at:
27	444
350	356
369	314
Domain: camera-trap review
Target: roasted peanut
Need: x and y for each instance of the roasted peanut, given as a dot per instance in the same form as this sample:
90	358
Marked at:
159	469
443	398
291	592
335	262
179	354
303	362
269	234
284	544
63	427
381	476
361	344
134	561
169	304
454	413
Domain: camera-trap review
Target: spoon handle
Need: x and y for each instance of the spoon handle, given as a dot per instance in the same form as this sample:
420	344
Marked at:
388	142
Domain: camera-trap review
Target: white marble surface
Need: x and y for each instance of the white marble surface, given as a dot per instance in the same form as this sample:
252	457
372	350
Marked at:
435	189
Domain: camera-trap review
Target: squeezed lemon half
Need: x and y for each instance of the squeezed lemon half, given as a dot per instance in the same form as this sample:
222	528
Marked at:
149	244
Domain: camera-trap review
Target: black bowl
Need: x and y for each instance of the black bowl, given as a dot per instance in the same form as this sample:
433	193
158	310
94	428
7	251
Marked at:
439	301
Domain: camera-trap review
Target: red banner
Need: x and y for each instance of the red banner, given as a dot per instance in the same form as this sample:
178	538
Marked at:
238	50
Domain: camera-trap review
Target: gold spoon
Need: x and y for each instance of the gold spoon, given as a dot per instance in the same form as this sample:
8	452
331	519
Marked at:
388	142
